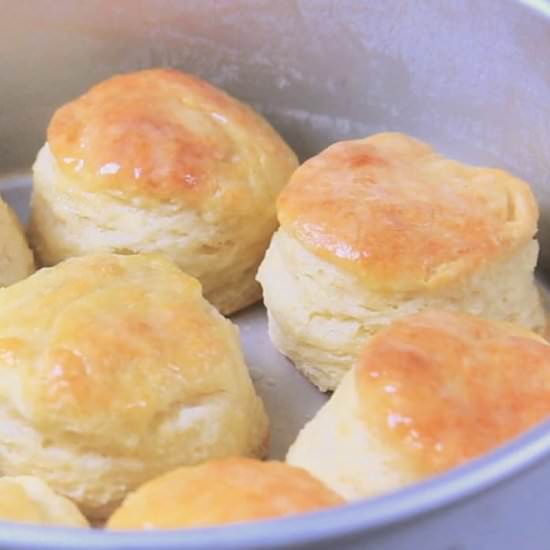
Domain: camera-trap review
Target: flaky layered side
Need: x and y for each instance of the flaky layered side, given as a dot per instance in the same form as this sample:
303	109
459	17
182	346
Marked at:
320	316
375	229
16	258
67	222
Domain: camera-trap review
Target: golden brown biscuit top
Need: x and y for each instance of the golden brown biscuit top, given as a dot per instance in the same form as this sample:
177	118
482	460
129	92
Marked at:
165	135
223	491
443	388
393	211
104	348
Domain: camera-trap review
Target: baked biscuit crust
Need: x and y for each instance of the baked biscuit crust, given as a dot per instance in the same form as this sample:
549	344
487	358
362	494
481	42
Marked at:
114	369
432	391
444	388
401	216
224	491
163	135
161	161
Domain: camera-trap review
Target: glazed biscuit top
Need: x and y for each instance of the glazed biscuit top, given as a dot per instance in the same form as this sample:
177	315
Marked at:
222	491
162	135
105	348
442	388
401	216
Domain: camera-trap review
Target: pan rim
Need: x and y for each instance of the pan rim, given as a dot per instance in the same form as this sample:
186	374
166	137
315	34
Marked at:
364	517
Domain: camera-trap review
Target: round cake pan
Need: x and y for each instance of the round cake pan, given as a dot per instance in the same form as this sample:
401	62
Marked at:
471	77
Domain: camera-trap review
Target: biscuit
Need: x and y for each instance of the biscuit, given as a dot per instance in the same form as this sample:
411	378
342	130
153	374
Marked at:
376	229
224	491
428	393
161	161
30	500
113	370
16	258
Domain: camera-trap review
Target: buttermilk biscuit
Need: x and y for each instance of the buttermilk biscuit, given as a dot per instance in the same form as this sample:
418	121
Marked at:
224	491
16	259
30	500
113	370
376	229
161	161
428	393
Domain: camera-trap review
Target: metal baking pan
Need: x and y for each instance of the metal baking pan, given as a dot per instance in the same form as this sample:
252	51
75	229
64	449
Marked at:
472	77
